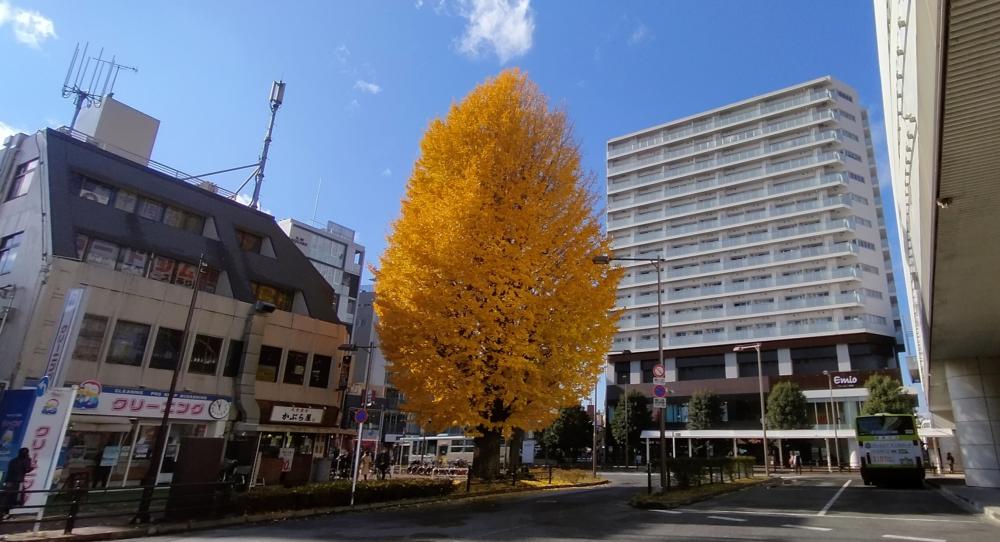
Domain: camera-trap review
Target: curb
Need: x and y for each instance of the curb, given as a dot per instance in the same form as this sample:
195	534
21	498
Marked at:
197	525
657	506
989	513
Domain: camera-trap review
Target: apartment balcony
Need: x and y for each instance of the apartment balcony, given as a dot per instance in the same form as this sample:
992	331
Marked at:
753	154
752	286
832	250
742	241
719	180
722	121
829	180
746	335
731	312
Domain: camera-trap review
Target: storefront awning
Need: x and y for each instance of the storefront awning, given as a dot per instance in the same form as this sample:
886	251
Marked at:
778	433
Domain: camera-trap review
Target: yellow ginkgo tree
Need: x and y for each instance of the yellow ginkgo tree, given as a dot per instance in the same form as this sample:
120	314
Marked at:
490	310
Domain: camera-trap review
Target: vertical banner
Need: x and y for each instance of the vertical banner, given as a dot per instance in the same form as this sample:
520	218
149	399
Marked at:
15	409
69	323
44	438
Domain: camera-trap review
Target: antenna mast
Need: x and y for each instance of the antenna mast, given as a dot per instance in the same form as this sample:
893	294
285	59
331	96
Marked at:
277	96
90	79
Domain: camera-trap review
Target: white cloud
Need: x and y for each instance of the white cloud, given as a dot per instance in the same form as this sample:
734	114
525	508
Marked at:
503	26
7	130
365	86
640	34
418	4
245	200
353	106
342	54
30	27
386	172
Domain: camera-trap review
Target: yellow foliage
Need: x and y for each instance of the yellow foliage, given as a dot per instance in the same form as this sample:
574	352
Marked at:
490	310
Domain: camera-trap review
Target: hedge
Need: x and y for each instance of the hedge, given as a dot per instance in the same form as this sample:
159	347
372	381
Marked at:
331	494
694	469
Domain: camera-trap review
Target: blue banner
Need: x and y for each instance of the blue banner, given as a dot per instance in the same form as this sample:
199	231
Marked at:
15	409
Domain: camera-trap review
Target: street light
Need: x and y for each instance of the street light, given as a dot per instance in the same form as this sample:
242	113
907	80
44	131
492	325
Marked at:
364	403
836	416
604	259
760	386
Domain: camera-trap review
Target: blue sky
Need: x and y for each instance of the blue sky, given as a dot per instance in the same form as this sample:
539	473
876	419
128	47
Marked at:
365	78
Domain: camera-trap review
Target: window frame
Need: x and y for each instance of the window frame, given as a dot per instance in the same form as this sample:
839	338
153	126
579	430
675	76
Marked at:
158	358
200	341
24	175
110	356
8	251
277	367
301	359
321	382
86	335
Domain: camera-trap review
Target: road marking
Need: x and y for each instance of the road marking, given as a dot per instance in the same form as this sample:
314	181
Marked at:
918	539
668	511
724	518
808	527
812	515
834	499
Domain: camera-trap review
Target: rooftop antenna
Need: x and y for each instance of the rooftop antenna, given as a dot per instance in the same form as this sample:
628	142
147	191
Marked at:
89	79
316	203
277	96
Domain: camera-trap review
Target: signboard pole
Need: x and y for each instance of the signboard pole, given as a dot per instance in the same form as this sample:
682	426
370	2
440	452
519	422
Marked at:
362	419
659	345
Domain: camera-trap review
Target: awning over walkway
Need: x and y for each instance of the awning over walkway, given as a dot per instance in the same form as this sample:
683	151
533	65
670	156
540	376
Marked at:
777	433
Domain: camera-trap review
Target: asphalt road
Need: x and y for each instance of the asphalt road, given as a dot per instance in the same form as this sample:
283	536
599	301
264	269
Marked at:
829	508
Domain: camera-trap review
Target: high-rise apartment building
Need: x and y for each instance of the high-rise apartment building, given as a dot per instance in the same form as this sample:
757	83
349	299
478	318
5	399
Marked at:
338	258
768	219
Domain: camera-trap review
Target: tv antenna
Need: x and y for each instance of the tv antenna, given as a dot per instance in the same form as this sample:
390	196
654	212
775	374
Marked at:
89	79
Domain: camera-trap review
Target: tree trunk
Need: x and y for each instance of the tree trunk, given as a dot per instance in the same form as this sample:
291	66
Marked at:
486	456
514	449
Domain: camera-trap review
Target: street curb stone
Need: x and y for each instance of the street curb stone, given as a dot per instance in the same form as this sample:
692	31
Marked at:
989	513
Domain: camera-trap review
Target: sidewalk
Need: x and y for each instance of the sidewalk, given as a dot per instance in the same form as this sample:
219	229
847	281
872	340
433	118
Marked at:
980	500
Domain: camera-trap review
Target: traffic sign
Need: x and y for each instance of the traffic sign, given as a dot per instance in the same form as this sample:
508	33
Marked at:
658	371
659	381
659	402
361	416
660	391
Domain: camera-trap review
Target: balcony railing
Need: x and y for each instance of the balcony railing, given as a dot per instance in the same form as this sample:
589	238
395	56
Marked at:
719	122
734	288
716	181
743	335
750	309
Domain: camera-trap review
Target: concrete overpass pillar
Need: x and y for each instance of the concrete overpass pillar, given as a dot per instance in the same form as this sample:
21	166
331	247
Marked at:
974	387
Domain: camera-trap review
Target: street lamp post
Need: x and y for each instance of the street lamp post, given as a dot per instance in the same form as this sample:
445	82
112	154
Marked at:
836	416
760	387
657	263
364	404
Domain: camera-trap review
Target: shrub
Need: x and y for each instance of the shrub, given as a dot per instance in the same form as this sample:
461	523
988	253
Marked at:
688	470
331	494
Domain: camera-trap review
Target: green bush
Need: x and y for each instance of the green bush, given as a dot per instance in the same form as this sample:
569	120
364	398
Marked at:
693	469
272	499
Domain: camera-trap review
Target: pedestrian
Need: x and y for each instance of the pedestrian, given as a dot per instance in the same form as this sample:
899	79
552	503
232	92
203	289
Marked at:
797	460
366	465
951	462
382	464
13	492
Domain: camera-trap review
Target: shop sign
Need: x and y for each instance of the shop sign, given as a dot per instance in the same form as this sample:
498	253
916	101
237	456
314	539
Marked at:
287	414
15	410
93	398
44	438
69	320
846	380
287	456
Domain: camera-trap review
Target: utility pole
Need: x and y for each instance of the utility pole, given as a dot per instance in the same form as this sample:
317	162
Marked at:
277	96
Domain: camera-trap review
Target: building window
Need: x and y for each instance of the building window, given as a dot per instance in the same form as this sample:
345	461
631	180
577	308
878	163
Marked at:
233	358
23	176
151	209
280	298
126	201
102	253
205	356
267	366
167	349
8	251
163	269
319	376
95	191
128	344
295	367
88	342
249	242
133	261
845	96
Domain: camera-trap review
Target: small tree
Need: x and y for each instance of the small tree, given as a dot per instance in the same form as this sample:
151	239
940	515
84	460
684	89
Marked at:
704	410
629	428
886	395
572	431
786	407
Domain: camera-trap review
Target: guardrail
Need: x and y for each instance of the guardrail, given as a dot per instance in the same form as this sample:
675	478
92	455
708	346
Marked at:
71	506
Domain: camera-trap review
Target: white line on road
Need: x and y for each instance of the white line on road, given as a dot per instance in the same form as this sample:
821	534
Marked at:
724	518
777	514
668	511
918	539
834	499
808	527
